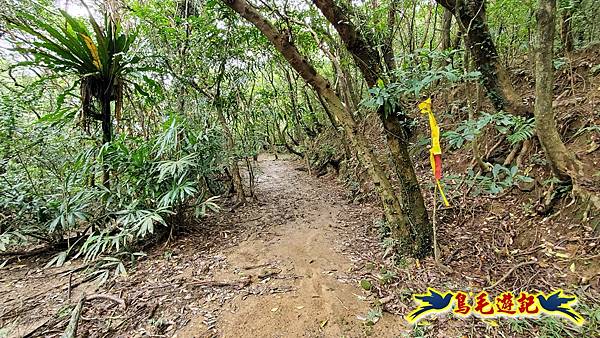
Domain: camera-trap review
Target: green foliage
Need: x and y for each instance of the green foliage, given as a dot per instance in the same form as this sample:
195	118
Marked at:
416	75
69	47
373	316
415	78
467	131
519	326
158	180
511	28
552	327
387	276
501	179
366	285
418	331
516	128
65	45
591	312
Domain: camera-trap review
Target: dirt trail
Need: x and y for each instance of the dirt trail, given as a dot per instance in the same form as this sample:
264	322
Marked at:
279	266
300	261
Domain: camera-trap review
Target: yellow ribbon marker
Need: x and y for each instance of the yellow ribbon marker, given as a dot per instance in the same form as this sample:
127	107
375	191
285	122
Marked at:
435	153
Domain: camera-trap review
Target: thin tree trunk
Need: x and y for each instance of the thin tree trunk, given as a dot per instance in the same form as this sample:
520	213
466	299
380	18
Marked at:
106	137
470	15
335	125
483	166
388	44
412	35
560	158
566	30
234	168
272	137
446	29
427	25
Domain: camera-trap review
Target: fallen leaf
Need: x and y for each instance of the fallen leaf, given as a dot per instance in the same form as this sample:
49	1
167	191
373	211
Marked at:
274	309
299	307
365	284
572	267
492	323
323	323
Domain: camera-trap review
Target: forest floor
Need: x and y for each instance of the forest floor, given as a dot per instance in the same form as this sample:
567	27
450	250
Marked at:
303	286
273	268
290	263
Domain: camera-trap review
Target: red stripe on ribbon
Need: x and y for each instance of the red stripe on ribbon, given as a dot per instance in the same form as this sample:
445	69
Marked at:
438	166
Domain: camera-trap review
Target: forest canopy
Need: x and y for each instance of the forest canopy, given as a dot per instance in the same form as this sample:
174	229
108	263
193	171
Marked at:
129	123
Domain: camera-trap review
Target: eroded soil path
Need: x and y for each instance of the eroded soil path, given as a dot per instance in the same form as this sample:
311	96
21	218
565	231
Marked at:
310	293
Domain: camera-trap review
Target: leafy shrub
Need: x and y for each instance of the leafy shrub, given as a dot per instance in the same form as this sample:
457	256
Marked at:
155	182
515	128
501	179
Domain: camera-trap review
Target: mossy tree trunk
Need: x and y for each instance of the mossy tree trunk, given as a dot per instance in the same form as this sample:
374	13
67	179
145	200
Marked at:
561	159
563	162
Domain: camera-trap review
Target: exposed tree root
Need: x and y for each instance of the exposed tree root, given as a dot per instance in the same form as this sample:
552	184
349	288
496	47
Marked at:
71	330
51	247
590	200
548	200
509	272
584	192
524	151
512	155
241	283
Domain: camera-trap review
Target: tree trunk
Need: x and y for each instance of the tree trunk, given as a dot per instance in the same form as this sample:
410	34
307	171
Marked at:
369	62
563	162
559	156
446	29
566	30
282	42
234	168
106	136
387	49
470	15
561	159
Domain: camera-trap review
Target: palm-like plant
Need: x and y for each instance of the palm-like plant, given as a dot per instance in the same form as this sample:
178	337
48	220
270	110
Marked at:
101	62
